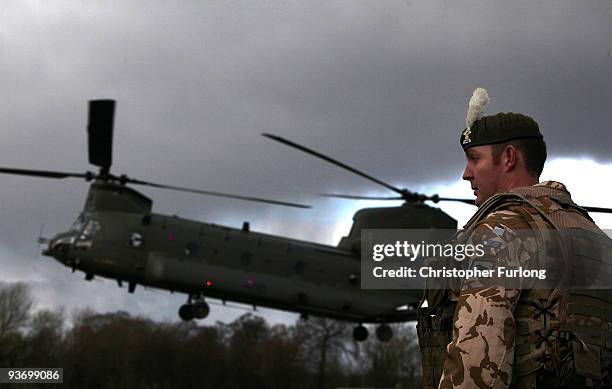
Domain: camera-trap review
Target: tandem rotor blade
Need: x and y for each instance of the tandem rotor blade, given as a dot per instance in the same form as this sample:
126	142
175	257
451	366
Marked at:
218	194
436	198
357	197
100	133
597	209
472	202
44	173
419	197
335	162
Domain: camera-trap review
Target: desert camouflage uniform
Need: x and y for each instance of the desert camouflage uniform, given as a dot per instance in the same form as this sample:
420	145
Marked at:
487	333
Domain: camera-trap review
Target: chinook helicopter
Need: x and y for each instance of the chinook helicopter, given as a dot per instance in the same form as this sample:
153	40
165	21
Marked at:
117	236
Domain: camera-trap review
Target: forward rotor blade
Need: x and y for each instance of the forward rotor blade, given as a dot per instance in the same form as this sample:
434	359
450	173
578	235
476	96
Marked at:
100	133
354	197
218	194
331	160
42	173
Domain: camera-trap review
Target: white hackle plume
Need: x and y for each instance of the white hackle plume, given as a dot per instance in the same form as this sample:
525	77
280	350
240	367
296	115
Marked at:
479	99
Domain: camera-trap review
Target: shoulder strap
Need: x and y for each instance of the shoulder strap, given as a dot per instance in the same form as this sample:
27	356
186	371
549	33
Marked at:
504	199
492	204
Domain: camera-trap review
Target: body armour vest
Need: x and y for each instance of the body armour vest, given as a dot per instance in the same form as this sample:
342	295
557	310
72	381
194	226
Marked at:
563	334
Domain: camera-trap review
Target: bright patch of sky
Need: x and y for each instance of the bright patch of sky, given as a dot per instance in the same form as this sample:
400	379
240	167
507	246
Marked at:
587	180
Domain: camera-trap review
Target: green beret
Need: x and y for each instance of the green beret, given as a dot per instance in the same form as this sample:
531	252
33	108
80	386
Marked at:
498	128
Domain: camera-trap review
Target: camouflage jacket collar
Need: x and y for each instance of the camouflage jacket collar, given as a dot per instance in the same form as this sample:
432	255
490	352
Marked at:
552	184
545	188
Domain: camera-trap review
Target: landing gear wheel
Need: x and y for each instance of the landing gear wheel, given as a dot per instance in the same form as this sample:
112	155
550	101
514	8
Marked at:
186	312
384	333
360	333
200	310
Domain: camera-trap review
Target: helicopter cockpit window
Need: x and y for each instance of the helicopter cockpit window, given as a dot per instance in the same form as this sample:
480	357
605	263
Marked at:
78	224
91	229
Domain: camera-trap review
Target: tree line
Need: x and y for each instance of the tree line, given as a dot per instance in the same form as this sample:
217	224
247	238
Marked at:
118	350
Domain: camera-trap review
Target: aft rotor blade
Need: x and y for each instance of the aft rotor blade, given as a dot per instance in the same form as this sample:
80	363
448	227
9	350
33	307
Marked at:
43	173
466	201
218	194
331	160
354	197
100	133
434	198
472	202
597	209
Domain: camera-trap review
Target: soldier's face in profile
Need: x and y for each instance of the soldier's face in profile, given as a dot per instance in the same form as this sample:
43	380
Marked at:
483	175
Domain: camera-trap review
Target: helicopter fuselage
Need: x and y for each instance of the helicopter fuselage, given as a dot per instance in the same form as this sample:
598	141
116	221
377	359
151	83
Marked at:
116	237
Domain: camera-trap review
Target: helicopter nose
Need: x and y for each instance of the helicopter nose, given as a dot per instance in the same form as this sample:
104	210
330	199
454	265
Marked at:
59	246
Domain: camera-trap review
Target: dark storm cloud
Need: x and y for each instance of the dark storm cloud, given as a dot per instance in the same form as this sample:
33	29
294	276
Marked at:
380	85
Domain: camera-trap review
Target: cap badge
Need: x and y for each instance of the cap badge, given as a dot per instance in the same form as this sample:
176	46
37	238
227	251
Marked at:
466	136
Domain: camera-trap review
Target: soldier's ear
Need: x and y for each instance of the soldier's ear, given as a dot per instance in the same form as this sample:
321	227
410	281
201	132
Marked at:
509	158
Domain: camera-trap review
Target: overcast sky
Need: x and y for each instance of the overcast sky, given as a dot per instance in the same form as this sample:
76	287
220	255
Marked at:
381	85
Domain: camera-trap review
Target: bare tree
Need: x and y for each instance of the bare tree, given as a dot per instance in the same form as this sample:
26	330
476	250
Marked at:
15	305
45	337
323	341
394	363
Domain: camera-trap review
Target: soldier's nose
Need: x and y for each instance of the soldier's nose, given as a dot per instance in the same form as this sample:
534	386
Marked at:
467	174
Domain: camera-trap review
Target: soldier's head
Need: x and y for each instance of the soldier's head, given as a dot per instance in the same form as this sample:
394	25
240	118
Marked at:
503	151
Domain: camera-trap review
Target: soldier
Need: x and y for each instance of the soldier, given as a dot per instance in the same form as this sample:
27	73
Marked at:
496	333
